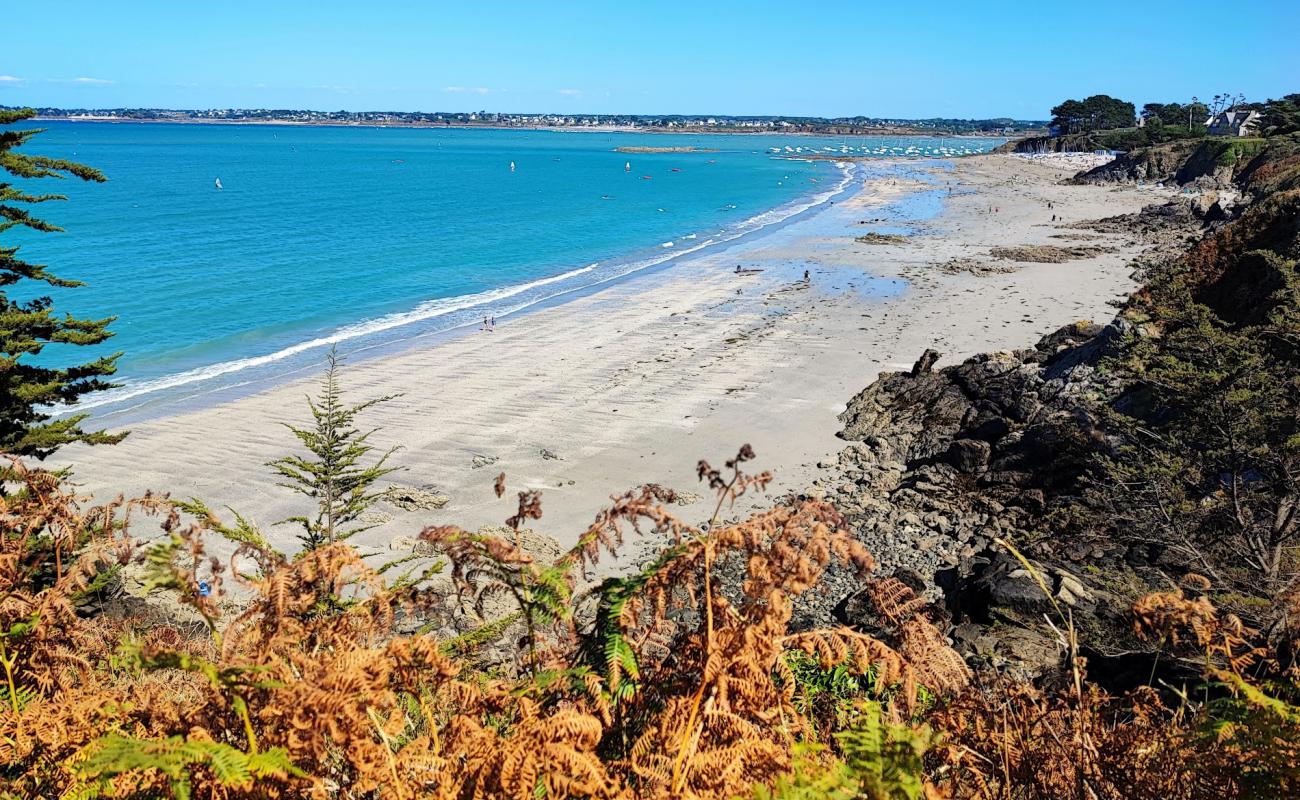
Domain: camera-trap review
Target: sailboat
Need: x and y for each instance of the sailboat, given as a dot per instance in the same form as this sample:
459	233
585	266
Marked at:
218	184
512	166
627	166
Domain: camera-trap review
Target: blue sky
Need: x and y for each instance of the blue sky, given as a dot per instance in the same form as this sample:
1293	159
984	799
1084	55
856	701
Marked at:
826	57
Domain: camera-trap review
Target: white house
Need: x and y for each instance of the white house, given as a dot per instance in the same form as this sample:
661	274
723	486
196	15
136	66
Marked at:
1232	123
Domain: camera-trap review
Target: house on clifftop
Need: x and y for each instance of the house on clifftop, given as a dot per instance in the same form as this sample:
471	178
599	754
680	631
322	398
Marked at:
1233	123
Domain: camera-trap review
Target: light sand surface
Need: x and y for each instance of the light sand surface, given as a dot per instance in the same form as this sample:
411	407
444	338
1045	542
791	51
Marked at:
636	382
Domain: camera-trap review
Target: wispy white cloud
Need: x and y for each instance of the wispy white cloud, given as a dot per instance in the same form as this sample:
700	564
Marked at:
466	89
10	79
91	81
333	87
569	92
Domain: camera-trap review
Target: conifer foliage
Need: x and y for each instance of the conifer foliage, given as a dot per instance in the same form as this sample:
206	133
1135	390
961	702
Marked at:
28	389
334	472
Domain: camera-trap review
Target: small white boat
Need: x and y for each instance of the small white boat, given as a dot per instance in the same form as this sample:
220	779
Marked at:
218	184
627	166
512	166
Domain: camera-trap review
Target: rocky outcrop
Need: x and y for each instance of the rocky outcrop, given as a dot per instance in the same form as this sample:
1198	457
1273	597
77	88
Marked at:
954	478
1211	163
1075	143
945	467
1166	229
1159	164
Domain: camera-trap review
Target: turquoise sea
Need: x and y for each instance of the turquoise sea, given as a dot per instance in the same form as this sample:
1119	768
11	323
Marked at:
365	236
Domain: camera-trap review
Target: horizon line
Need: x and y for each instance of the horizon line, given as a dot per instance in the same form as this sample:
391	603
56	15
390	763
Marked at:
269	109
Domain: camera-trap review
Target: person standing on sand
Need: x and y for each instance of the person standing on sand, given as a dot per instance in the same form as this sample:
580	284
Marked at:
806	278
492	323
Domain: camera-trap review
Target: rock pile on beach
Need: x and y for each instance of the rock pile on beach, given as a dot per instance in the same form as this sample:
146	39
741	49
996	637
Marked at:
412	498
1166	228
975	266
880	238
1045	253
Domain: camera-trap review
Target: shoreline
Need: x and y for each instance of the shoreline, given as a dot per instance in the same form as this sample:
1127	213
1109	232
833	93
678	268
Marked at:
636	381
401	331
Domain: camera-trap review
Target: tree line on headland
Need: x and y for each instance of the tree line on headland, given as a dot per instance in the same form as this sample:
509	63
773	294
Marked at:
1161	122
481	668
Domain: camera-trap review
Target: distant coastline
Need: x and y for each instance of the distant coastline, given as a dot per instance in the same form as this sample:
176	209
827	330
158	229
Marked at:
859	125
893	131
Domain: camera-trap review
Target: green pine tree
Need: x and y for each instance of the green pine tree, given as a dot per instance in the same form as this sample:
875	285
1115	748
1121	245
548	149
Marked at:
27	391
333	472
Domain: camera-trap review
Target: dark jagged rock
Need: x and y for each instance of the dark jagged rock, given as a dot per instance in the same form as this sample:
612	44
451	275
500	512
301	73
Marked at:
926	362
1073	143
969	455
943	462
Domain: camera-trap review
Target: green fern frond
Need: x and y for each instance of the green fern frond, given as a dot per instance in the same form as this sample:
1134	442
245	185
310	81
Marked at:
467	643
21	697
175	759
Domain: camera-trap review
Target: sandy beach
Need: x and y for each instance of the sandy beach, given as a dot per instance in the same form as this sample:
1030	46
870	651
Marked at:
636	382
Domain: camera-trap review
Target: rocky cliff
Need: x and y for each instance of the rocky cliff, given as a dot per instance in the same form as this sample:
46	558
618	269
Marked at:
1211	163
945	468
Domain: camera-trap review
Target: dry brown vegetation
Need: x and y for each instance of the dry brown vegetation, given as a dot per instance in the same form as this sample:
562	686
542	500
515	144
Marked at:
682	684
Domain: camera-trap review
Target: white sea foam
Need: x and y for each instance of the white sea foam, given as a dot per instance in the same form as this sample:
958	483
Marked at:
425	311
492	298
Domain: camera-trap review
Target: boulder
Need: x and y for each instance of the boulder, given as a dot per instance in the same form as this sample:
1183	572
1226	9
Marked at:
969	455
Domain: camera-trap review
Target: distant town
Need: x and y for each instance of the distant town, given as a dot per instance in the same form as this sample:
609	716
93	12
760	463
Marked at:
648	122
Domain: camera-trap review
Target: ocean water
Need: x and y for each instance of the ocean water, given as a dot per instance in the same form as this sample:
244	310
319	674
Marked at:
360	236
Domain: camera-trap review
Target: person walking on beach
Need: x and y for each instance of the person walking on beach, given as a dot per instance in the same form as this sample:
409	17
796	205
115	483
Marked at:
485	327
806	278
492	323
